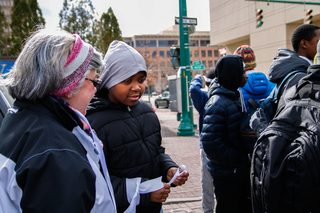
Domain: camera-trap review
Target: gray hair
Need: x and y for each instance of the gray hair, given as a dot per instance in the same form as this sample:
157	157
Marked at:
39	69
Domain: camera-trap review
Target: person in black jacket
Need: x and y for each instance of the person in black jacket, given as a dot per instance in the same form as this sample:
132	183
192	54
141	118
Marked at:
50	159
130	132
304	40
227	160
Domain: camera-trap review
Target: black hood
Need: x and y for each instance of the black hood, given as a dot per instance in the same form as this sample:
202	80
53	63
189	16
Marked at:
229	71
284	62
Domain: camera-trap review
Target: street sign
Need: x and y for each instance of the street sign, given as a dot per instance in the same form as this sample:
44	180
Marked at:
197	63
187	21
199	67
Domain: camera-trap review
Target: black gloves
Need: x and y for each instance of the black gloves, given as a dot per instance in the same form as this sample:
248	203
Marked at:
258	121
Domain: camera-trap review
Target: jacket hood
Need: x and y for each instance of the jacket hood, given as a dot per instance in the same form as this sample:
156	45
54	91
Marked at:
229	71
216	88
120	62
285	61
313	75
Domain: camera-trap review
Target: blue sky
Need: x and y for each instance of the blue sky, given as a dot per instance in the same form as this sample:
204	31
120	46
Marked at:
138	17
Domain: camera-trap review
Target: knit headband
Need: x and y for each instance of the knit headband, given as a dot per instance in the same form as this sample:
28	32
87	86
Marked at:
76	66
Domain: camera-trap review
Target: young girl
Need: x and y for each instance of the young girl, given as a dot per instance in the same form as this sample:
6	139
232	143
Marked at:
130	132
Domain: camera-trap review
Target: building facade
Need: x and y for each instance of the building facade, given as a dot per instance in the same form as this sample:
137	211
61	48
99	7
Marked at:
155	49
6	8
233	23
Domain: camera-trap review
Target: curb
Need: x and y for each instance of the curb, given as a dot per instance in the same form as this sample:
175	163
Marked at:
181	200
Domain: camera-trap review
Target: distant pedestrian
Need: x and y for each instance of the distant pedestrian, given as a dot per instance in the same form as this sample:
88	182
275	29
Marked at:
199	99
227	161
50	159
258	86
130	132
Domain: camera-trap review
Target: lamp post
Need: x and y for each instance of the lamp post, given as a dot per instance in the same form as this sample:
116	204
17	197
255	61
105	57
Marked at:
186	123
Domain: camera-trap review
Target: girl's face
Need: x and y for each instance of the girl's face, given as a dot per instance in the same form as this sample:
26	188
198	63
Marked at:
129	91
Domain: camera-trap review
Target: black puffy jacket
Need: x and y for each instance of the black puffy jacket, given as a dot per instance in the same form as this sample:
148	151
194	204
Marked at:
220	135
132	145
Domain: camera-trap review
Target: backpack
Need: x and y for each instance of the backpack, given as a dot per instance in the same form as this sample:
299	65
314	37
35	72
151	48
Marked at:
285	166
269	106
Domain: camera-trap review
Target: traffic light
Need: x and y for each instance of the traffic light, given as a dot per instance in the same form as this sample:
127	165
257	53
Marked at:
259	17
308	17
175	57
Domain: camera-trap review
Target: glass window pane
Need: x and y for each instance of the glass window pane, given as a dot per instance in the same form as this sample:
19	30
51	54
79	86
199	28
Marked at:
209	53
204	43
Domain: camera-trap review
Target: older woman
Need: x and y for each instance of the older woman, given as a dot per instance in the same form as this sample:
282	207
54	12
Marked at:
50	159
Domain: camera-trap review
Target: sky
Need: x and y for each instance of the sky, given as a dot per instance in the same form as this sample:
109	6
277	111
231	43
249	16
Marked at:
137	17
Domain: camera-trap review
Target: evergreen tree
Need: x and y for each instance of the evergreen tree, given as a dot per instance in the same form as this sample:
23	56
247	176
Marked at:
77	16
26	16
109	30
4	34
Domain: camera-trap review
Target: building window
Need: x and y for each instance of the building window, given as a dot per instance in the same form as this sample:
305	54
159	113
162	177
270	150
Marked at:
204	63
154	54
190	53
193	43
162	65
196	53
203	53
210	63
167	43
216	53
146	43
169	65
161	53
204	43
168	54
215	62
209	53
146	54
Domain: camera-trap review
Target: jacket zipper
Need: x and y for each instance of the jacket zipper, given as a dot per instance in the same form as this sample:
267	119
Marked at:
141	136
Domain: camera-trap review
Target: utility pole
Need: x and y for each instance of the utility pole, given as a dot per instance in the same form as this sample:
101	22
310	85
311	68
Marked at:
186	123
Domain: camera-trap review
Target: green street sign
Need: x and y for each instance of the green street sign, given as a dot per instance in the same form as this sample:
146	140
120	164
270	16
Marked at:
197	63
199	67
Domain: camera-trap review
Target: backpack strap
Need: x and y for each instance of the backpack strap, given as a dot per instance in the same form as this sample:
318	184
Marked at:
253	104
284	80
308	89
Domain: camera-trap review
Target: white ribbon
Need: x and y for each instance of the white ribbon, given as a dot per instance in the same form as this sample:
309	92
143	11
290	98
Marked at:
140	188
178	173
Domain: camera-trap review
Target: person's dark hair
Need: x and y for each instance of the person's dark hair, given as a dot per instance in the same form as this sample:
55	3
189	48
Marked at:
304	31
210	74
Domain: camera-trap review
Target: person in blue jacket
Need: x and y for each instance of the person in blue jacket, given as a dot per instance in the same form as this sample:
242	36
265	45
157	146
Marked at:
227	159
258	86
199	99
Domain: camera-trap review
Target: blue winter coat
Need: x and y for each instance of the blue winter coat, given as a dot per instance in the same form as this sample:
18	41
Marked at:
257	87
199	99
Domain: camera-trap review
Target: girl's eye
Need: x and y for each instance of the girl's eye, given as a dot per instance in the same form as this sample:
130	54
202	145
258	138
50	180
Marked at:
142	80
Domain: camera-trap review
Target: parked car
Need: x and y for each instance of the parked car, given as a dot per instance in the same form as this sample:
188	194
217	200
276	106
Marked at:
163	100
6	101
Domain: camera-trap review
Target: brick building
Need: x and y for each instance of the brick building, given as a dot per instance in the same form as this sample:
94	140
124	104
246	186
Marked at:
155	48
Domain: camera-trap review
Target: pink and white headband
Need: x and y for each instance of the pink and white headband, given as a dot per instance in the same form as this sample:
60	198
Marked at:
77	64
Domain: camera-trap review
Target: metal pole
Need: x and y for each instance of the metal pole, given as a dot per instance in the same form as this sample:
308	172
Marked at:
186	126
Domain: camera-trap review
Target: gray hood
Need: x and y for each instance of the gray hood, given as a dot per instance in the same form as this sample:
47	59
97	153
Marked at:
285	61
120	62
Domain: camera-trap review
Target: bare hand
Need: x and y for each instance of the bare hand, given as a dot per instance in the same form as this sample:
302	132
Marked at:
179	180
162	194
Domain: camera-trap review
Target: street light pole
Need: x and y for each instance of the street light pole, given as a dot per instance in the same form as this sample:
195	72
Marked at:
186	125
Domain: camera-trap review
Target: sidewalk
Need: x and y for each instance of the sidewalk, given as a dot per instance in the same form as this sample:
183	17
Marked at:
183	150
